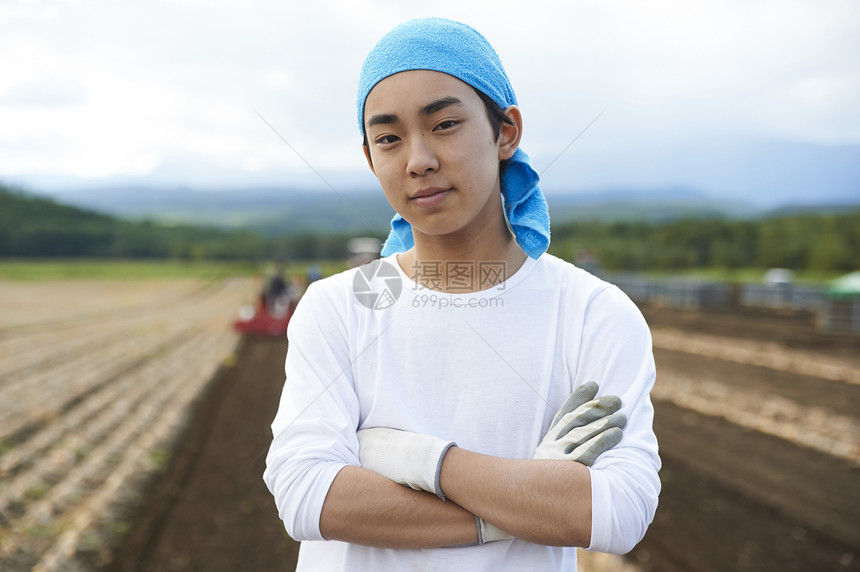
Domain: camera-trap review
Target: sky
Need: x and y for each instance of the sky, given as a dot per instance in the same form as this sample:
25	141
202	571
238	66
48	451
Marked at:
617	93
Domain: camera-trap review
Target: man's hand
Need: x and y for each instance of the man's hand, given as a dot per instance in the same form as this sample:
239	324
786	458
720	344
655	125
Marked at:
582	429
411	459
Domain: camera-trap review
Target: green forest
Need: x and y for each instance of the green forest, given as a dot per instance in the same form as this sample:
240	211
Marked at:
38	227
820	242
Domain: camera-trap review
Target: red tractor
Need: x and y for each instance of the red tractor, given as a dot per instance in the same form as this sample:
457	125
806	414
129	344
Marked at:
275	307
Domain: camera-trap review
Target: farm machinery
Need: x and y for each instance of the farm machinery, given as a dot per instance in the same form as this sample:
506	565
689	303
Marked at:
271	316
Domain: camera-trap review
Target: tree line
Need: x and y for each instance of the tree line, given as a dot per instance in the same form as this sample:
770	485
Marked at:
33	226
812	241
39	227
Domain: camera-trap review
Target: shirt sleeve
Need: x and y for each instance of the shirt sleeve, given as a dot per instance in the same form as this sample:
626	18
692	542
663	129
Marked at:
616	353
314	428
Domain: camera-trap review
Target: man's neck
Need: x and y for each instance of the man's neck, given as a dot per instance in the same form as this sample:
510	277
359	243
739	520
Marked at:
461	266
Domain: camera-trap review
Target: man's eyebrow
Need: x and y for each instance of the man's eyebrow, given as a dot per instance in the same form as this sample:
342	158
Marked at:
429	109
382	118
438	105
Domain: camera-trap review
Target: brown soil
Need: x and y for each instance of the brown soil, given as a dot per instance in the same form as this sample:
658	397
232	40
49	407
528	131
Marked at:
737	499
733	498
211	511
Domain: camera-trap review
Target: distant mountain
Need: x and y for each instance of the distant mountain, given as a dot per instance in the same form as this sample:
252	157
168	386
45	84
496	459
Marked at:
654	206
269	211
662	176
768	174
278	211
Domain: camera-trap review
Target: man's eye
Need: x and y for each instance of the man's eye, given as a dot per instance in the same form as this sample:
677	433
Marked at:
446	125
387	140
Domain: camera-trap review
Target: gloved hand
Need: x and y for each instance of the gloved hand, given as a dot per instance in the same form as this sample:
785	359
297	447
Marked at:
582	429
411	459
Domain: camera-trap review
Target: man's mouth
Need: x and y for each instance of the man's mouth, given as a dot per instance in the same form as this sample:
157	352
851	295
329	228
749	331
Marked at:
430	196
428	192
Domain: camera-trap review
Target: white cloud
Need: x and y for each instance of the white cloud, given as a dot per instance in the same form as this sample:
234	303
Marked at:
104	89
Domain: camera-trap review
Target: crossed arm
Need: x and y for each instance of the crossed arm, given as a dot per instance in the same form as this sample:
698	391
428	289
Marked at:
542	501
545	500
366	508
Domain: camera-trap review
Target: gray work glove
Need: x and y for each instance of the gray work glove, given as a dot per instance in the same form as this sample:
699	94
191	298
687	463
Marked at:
582	429
411	459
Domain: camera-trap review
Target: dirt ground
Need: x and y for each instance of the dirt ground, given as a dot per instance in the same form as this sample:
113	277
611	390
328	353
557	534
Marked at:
737	499
211	511
733	498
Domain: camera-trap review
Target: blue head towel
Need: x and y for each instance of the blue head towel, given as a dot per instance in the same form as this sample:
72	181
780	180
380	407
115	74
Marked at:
450	47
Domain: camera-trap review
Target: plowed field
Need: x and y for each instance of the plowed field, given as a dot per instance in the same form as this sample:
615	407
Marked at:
758	417
97	380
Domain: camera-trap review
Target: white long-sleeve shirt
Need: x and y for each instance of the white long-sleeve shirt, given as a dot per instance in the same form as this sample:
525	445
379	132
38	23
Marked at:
487	370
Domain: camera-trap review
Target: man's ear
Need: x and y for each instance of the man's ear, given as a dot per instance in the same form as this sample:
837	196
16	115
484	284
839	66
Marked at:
510	135
369	160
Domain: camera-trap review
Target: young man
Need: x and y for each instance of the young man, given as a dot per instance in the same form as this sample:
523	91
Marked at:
463	364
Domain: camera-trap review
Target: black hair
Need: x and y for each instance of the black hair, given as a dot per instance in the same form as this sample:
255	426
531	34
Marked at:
495	114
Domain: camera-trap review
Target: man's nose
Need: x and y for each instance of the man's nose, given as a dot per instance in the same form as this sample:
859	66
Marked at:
422	158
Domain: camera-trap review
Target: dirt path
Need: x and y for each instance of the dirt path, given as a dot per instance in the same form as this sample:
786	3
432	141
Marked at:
733	498
212	511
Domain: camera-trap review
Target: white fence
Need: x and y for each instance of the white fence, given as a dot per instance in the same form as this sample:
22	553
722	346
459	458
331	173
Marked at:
841	316
782	296
834	315
675	293
693	294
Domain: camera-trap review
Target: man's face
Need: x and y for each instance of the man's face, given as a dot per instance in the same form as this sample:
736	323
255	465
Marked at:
434	152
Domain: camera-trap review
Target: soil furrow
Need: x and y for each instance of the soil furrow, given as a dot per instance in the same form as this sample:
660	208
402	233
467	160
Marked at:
806	390
736	499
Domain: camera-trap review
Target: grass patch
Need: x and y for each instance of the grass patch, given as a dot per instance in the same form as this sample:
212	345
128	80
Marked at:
90	542
118	531
65	269
158	460
742	275
36	270
39	530
36	491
